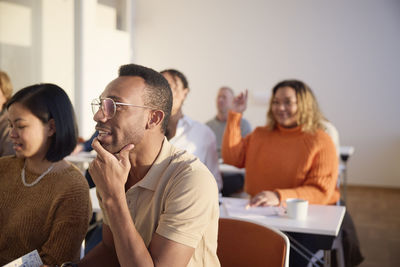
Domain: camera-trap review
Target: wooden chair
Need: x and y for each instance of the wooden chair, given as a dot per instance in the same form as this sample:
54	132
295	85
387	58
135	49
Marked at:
247	243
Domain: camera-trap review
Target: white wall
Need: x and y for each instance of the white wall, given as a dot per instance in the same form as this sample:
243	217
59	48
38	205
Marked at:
101	50
347	51
72	43
36	42
57	30
18	42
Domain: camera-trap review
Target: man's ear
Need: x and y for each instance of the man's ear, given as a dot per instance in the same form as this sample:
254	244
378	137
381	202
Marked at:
155	118
51	127
186	92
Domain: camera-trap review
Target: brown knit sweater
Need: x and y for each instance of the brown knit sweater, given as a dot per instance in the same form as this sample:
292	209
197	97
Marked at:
51	216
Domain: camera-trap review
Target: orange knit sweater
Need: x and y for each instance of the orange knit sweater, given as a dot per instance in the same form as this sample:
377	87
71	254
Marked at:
51	216
288	161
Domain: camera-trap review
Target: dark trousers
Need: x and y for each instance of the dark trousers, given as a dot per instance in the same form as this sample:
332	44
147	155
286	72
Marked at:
232	183
94	237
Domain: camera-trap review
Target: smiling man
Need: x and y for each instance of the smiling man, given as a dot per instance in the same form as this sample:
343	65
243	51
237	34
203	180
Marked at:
160	204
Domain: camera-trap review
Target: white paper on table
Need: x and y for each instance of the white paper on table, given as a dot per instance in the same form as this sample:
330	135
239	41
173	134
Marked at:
237	207
32	259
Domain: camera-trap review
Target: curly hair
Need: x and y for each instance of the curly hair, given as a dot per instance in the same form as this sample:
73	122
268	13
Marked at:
309	114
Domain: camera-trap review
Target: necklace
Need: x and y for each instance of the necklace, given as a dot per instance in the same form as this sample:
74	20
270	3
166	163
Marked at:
38	179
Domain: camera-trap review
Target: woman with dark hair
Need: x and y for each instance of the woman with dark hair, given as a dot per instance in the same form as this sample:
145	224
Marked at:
44	200
290	157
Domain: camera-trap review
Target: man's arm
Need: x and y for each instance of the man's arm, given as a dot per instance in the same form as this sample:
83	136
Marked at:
130	246
163	251
103	254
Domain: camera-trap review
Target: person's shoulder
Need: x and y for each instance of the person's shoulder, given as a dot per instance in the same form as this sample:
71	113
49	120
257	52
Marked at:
331	130
328	125
8	158
202	128
245	121
321	139
215	124
189	168
181	159
262	130
322	135
212	121
7	161
196	123
73	179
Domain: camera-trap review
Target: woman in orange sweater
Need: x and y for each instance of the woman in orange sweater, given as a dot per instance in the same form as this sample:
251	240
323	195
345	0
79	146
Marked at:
290	157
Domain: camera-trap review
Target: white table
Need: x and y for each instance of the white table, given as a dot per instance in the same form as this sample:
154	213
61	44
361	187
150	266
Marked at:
82	159
226	168
323	221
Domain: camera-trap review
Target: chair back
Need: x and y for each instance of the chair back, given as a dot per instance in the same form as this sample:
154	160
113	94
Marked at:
247	243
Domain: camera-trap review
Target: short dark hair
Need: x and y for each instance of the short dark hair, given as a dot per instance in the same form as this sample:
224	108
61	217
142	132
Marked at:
158	94
177	74
48	101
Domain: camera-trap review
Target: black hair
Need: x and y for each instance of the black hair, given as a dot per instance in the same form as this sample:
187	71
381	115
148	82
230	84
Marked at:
48	101
177	74
297	85
158	93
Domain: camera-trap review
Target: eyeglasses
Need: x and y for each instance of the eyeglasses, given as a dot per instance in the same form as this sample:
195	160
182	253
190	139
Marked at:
109	106
286	103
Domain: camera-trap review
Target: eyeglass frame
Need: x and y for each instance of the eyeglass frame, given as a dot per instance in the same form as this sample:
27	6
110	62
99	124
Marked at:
99	102
286	104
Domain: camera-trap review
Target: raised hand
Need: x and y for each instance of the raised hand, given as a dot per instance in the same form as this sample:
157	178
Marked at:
110	172
240	102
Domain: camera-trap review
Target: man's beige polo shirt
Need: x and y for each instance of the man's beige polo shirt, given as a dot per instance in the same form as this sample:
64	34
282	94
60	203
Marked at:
178	199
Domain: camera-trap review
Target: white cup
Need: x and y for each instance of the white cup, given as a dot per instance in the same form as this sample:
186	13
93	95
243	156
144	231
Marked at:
297	208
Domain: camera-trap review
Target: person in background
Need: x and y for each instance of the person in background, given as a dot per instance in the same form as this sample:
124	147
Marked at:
5	94
44	200
331	130
186	133
159	203
290	157
217	124
233	182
